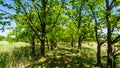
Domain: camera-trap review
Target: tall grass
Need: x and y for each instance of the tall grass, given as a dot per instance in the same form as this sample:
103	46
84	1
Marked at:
14	54
18	55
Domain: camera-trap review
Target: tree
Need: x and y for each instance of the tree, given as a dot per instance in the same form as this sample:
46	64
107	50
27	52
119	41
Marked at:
110	29
76	12
99	26
2	38
23	34
72	32
49	21
54	23
37	15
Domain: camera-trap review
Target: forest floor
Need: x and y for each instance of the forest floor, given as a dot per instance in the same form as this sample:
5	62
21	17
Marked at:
65	56
18	55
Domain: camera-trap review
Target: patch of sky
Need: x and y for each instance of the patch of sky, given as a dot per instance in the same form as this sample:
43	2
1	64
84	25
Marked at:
10	11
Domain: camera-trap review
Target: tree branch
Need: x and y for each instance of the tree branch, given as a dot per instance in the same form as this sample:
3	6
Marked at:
116	39
103	42
30	23
72	19
39	16
56	19
112	4
115	24
51	3
95	19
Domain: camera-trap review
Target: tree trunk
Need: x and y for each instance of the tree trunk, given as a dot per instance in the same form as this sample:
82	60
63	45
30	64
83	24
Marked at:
33	47
51	43
109	50
43	40
72	41
79	43
114	61
109	56
47	43
42	47
32	43
97	38
43	27
98	55
55	43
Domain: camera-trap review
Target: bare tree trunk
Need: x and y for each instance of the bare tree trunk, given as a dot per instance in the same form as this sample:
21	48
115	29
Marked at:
51	43
79	44
98	55
43	40
43	27
47	43
109	56
79	39
109	50
55	43
97	38
72	41
42	47
33	46
114	61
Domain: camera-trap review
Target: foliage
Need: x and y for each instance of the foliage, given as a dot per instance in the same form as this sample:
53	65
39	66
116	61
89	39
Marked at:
47	21
2	38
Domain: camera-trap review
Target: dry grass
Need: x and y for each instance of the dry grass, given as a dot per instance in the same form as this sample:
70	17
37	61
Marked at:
14	54
93	45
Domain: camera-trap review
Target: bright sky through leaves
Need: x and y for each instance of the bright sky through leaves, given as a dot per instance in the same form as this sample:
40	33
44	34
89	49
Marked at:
6	32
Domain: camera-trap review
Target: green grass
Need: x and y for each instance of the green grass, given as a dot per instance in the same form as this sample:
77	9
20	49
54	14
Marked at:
14	54
18	55
66	57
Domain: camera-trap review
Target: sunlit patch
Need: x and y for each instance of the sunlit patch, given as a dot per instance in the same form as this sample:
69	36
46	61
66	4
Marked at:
86	65
42	59
58	57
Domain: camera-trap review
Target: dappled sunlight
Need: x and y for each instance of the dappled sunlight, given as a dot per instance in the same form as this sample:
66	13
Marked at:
41	60
66	57
59	33
63	56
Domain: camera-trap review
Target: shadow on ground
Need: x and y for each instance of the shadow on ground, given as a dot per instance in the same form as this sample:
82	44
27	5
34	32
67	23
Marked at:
66	58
